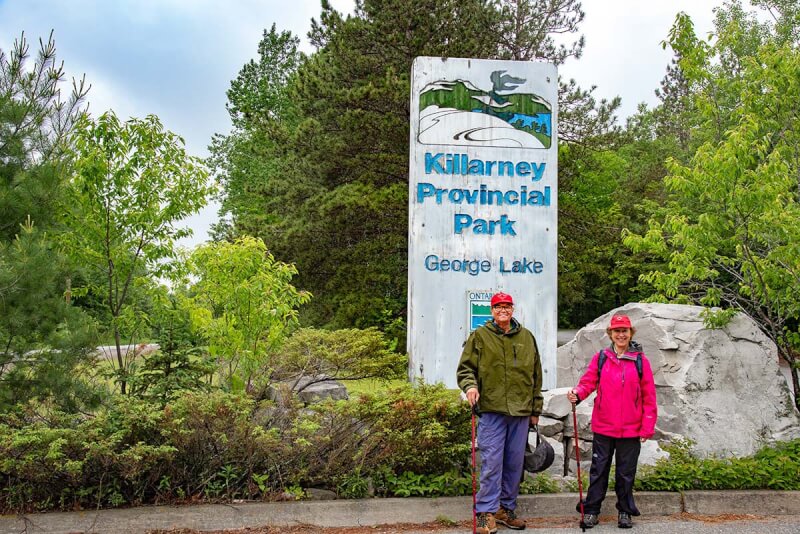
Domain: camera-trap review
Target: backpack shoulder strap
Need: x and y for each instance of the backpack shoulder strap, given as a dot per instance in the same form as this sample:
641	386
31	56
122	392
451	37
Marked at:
639	364
601	360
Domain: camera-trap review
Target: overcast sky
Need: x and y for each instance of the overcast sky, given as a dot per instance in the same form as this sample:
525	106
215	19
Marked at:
176	58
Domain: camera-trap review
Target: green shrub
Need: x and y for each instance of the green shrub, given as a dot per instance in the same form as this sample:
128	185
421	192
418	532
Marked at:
72	463
347	354
406	441
539	483
408	484
417	428
773	467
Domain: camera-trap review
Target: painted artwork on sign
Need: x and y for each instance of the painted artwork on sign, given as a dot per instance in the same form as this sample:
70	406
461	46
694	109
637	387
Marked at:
456	112
480	309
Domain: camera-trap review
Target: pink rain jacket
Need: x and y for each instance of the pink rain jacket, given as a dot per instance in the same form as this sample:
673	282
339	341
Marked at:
625	406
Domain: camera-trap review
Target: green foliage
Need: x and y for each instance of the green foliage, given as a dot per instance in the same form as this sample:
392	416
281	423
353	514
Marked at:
527	30
179	364
776	467
339	354
244	305
418	428
133	183
728	235
71	464
539	483
35	124
408	484
44	342
353	485
446	521
572	485
216	446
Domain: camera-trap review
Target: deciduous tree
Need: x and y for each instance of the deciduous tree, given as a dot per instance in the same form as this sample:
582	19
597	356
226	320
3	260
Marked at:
731	229
245	306
132	185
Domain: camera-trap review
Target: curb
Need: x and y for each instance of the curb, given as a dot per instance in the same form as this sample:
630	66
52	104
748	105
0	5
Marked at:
369	512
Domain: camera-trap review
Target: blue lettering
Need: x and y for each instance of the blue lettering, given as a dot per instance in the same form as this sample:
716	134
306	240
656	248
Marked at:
460	164
471	266
538	171
456	196
461	221
424	190
503	226
476	167
539	198
432	262
481	226
506	226
522	266
523	168
432	163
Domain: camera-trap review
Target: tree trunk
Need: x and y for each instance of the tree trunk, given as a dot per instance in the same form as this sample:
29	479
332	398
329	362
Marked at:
120	361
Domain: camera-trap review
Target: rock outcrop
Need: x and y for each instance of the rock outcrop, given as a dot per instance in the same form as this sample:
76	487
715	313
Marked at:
721	388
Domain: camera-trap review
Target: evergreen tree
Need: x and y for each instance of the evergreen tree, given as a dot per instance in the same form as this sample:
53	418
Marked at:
45	343
322	176
528	27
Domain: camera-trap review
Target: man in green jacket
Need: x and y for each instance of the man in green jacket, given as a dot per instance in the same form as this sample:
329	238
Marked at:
501	372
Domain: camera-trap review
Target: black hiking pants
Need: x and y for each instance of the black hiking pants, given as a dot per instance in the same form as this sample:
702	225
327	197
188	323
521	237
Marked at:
626	453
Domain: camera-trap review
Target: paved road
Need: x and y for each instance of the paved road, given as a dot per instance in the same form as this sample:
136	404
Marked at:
659	525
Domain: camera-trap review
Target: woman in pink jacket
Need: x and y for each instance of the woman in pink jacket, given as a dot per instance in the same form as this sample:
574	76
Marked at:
624	416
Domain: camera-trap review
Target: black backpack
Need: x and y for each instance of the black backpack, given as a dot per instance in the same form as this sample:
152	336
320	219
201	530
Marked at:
601	360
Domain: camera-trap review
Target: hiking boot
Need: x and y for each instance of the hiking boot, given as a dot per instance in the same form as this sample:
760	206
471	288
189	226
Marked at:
486	524
509	518
590	520
624	520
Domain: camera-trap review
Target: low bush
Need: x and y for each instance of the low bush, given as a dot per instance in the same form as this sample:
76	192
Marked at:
774	467
210	446
215	446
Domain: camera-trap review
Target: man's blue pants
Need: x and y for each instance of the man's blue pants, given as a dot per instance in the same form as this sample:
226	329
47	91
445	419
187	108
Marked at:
501	441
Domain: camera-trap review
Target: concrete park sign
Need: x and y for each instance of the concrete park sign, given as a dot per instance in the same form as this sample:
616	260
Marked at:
482	205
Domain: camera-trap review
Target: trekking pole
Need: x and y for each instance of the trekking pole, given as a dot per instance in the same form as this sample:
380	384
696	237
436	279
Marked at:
474	498
578	460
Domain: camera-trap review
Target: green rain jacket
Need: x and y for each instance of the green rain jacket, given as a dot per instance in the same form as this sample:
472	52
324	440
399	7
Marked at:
506	369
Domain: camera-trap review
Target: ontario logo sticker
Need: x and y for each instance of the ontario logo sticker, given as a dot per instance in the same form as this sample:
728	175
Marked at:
457	112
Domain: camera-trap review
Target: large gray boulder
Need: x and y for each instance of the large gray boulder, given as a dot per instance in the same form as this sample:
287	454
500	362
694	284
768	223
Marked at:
309	389
721	388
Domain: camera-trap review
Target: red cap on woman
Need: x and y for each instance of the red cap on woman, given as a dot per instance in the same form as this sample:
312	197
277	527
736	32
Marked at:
619	321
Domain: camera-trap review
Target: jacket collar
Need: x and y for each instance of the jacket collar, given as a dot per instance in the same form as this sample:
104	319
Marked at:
515	326
630	353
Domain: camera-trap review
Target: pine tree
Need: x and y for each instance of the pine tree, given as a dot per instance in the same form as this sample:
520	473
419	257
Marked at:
45	343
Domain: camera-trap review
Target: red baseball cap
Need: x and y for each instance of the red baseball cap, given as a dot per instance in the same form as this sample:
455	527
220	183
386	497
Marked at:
619	321
500	298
